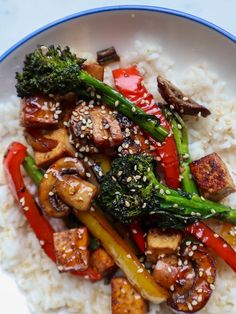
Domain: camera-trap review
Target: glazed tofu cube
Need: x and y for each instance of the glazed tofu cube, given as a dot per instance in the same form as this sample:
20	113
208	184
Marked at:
102	262
212	177
40	112
125	299
96	70
63	148
162	242
71	249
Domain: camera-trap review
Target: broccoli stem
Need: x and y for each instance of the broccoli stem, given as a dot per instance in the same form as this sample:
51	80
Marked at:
32	170
192	204
118	102
181	138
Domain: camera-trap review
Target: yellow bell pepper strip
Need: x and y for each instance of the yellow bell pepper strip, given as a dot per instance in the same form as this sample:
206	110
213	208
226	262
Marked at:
136	273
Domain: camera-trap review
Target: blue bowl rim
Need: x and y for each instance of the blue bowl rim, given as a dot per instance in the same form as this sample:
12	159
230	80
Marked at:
118	8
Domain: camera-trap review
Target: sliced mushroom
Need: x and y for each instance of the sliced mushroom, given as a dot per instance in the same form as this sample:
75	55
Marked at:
94	128
191	298
176	98
63	187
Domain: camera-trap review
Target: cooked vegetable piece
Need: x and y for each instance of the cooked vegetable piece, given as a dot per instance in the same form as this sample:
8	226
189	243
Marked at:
137	192
75	192
12	162
130	83
125	299
196	297
61	188
71	249
162	242
212	177
40	112
94	128
63	148
207	236
107	55
106	129
182	103
170	269
139	277
58	71
102	262
180	134
94	69
38	141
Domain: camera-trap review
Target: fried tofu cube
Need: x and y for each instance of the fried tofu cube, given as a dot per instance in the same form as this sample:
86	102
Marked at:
102	262
71	249
162	242
212	177
125	299
40	112
63	148
96	70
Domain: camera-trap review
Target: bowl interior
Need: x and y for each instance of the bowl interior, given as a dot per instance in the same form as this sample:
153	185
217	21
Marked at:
185	41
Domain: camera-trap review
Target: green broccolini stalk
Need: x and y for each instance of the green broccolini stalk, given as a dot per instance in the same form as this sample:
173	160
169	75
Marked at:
54	70
181	138
131	190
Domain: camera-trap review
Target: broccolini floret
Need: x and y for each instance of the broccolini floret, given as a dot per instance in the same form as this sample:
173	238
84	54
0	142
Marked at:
131	190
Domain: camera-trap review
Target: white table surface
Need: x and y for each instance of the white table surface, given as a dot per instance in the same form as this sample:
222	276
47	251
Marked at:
20	17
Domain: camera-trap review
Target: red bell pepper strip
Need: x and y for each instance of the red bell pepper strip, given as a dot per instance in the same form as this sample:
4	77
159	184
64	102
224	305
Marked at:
207	236
129	82
138	235
13	160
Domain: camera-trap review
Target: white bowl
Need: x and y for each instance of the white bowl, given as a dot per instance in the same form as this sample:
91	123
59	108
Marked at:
185	38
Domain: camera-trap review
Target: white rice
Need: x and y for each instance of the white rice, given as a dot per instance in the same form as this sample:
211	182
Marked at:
46	290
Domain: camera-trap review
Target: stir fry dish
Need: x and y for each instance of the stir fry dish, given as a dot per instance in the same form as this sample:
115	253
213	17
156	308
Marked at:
114	166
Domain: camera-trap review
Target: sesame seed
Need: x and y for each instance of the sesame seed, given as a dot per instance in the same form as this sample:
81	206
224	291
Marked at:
134	231
144	205
199	298
117	103
161	191
133	109
113	178
179	262
137	296
212	286
88	174
22	201
128	256
200	273
51	193
225	245
190	253
129	179
213	211
200	290
189	307
98	96
194	247
172	288
216	235
26	208
144	178
168	192
194	302
127	204
140	270
185	98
